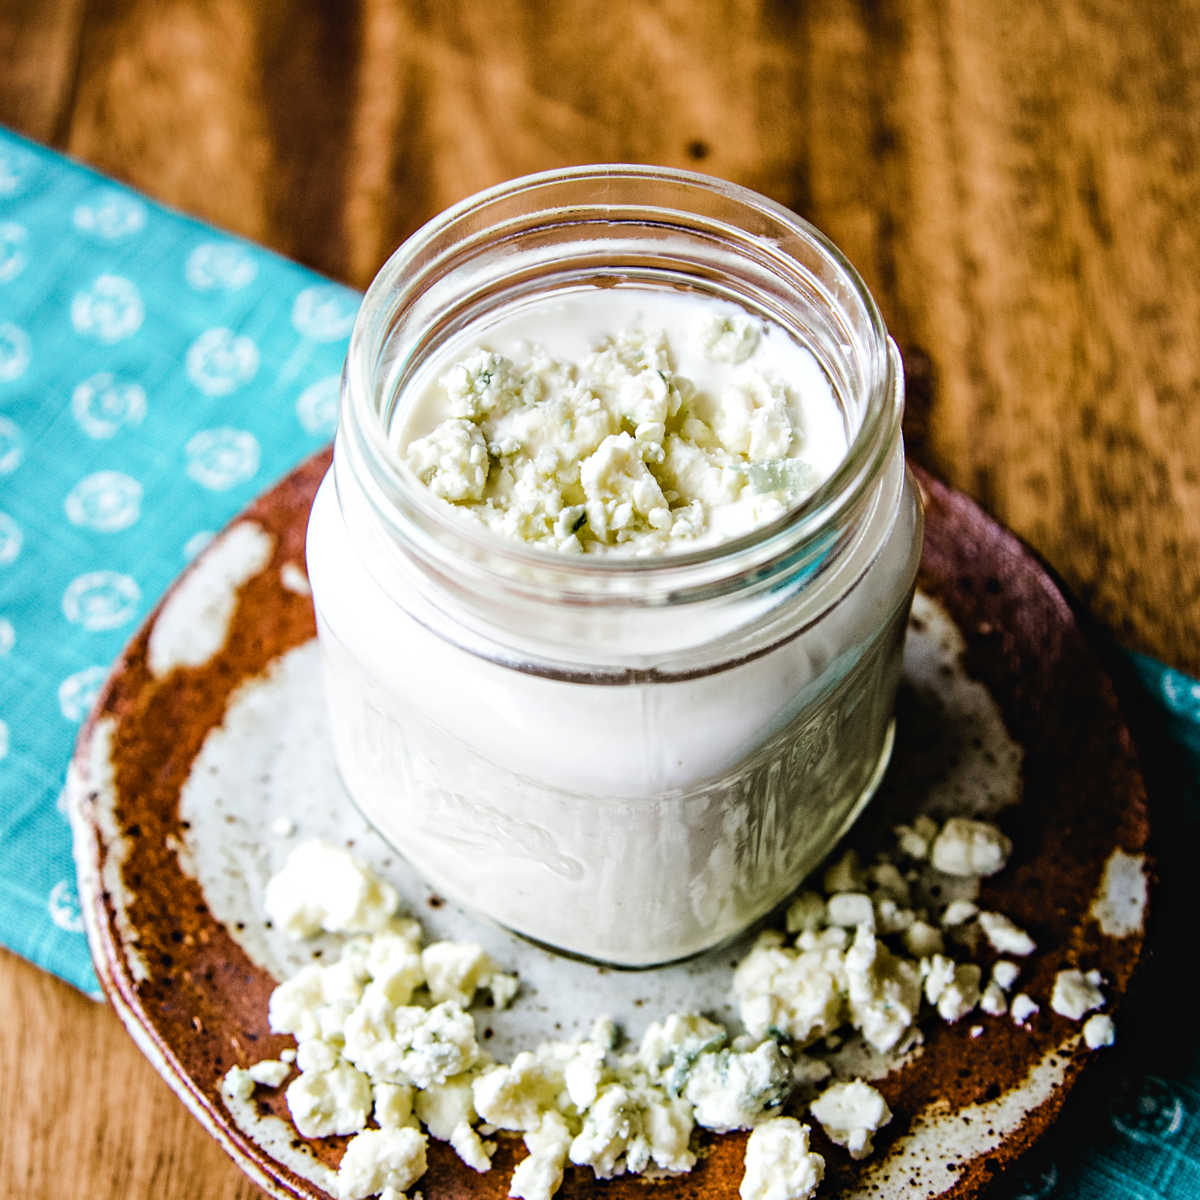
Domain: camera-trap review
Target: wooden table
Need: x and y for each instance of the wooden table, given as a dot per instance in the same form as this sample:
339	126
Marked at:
1019	184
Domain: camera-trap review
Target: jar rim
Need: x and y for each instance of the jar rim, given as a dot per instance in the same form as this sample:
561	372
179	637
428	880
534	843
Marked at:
792	541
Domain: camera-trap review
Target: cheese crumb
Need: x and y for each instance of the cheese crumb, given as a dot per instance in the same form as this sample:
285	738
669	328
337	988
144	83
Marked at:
409	1044
612	1140
1004	936
850	1113
270	1072
967	847
993	1000
456	970
730	339
1076	994
922	940
731	1090
394	1106
952	987
798	993
916	839
381	1158
1023	1008
451	461
1099	1031
959	912
335	1101
851	909
324	888
1005	974
239	1083
884	991
539	1175
779	1165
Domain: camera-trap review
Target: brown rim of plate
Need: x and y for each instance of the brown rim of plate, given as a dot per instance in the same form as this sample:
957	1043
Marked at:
196	1004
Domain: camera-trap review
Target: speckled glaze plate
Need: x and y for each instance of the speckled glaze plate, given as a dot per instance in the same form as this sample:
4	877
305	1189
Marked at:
206	759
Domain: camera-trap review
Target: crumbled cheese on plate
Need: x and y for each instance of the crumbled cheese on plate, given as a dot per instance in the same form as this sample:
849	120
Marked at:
850	1113
1076	994
779	1164
388	1050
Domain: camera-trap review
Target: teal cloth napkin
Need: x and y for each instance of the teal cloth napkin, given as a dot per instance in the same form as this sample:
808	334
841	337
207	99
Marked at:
155	376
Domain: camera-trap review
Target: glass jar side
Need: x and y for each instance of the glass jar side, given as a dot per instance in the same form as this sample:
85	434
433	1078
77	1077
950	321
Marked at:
631	823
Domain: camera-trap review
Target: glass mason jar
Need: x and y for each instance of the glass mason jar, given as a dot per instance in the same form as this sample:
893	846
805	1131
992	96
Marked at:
628	759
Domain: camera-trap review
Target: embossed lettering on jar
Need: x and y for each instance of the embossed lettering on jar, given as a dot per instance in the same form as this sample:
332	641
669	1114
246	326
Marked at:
629	758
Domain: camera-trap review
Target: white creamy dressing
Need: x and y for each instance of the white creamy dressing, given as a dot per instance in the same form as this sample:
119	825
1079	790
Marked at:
625	419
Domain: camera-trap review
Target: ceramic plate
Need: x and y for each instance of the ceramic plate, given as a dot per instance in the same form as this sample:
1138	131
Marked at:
207	758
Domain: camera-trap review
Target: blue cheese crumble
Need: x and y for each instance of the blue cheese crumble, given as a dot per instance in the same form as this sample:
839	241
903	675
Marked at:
850	1113
323	888
618	419
379	1159
1076	994
387	1050
779	1163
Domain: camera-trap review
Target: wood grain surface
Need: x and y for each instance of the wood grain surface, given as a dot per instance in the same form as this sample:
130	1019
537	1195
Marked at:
1017	182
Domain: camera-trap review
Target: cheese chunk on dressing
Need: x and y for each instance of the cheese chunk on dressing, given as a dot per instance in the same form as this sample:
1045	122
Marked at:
623	420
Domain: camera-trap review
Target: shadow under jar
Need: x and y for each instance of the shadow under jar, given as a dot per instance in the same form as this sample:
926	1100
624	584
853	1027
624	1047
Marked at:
626	758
